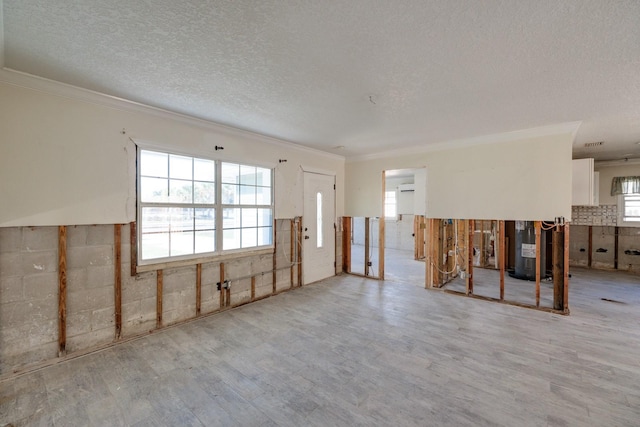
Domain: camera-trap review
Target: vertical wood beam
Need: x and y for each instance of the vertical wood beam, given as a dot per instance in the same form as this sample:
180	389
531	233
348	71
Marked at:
427	263
481	257
470	235
62	290
253	288
291	255
198	289
381	226
502	256
366	246
590	247
538	228
274	276
222	304
133	242
346	244
117	279
616	247
565	299
300	251
159	282
557	249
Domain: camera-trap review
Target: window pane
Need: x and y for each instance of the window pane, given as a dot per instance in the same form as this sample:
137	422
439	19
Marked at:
205	219
154	164
231	218
230	194
264	196
181	231
180	167
230	173
155	233
247	195
265	218
155	245
181	219
204	170
182	243
249	237
154	190
264	236
205	241
180	191
231	239
263	177
319	230
249	218
204	192
247	175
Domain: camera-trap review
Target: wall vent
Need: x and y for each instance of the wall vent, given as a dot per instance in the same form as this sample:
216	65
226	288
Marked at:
593	144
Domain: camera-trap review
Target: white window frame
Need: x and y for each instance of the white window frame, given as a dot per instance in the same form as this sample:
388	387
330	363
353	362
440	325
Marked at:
622	202
394	204
218	207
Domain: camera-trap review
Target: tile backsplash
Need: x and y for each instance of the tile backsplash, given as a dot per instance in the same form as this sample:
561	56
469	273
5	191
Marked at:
594	215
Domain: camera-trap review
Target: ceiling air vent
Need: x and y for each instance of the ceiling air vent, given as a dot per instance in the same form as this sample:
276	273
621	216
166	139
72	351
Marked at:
593	144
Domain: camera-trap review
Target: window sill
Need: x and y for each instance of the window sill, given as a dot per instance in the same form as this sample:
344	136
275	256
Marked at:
141	268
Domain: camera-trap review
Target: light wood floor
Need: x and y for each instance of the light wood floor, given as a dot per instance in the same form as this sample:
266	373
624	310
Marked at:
351	351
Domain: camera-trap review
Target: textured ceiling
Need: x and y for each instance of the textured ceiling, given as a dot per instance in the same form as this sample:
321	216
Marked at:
367	75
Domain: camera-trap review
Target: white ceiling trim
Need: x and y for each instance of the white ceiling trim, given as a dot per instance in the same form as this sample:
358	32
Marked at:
52	87
555	129
620	162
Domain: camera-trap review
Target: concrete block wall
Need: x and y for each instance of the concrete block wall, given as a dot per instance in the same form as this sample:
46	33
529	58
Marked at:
28	295
29	289
603	253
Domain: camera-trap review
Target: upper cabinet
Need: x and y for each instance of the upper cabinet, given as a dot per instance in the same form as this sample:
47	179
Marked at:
585	188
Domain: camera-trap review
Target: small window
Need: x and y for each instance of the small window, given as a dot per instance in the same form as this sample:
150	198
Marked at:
184	201
631	207
390	204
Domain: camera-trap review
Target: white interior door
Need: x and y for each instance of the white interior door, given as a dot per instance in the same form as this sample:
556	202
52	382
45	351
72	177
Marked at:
319	248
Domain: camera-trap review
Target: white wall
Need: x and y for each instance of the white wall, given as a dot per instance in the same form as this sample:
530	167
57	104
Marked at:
528	179
66	161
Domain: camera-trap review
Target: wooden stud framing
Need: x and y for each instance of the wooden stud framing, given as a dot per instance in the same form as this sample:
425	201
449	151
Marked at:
538	229
481	252
274	276
299	251
366	246
590	247
291	255
133	242
253	288
117	248
381	226
502	256
469	279
346	244
198	289
616	247
62	290
159	280
222	293
565	300
557	249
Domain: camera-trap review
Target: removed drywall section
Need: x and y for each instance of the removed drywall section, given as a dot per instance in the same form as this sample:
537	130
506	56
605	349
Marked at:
524	179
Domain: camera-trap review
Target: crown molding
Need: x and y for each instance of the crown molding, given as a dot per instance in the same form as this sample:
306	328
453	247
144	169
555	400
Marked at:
52	87
555	129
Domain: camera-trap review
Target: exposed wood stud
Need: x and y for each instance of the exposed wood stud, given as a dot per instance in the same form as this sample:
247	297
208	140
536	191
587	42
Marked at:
117	248
274	276
381	227
366	246
590	247
62	290
502	255
159	280
469	280
538	228
253	288
565	299
616	247
300	251
222	293
198	289
557	249
291	255
133	242
346	244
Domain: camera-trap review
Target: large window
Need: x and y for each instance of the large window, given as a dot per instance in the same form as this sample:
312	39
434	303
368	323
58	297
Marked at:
631	207
184	202
390	205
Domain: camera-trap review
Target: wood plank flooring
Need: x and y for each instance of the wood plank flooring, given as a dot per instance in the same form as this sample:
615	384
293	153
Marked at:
351	351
